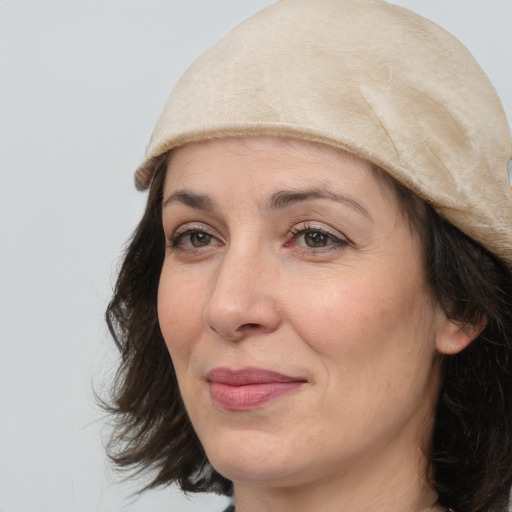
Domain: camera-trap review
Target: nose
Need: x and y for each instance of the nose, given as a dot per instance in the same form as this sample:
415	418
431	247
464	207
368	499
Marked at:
243	301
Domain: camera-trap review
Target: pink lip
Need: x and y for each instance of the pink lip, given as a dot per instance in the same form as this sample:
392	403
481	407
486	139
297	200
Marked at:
248	388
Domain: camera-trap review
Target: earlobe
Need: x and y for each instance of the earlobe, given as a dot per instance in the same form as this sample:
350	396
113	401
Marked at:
453	337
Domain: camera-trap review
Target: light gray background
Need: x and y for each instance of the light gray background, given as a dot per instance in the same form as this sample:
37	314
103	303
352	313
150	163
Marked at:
82	83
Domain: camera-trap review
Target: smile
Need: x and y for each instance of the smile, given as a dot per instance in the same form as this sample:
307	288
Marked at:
248	388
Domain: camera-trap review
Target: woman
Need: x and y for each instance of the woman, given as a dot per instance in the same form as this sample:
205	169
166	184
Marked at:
314	311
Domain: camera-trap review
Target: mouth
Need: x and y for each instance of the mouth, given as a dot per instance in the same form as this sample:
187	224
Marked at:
249	388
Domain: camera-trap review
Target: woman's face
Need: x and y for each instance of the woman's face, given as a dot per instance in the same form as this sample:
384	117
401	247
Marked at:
293	302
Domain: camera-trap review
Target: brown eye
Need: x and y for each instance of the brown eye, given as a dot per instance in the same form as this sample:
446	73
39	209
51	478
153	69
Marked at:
316	239
199	239
193	239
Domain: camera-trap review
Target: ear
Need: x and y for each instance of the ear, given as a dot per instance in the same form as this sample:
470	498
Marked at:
453	336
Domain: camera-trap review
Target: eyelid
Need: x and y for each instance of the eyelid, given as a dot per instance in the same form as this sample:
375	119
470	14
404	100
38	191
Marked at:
192	226
318	226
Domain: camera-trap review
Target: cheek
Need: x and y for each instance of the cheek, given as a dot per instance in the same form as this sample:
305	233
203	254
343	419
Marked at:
377	351
179	313
379	326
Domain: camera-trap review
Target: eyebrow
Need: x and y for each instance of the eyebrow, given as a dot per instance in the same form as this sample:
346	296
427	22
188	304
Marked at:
277	201
197	201
287	198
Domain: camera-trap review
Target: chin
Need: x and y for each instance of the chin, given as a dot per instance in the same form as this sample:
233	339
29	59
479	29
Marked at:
252	457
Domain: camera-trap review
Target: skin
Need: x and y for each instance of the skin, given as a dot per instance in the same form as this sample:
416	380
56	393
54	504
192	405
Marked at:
328	286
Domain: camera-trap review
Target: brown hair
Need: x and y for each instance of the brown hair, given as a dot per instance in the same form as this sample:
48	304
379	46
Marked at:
471	454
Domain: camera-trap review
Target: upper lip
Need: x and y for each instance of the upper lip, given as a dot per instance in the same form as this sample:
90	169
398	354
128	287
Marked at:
249	375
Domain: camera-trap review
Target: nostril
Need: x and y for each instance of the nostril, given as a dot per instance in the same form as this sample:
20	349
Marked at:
212	328
248	327
234	318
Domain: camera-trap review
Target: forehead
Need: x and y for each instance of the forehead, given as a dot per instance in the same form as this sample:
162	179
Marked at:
279	160
236	171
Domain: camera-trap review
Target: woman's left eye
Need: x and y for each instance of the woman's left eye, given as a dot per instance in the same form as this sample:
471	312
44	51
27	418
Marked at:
315	238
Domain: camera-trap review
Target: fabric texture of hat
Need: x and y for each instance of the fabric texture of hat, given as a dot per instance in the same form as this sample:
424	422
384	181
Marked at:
365	76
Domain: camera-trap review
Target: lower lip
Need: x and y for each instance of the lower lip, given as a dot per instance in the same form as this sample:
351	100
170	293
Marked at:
249	396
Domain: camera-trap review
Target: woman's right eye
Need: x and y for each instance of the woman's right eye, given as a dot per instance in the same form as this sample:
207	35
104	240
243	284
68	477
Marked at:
193	238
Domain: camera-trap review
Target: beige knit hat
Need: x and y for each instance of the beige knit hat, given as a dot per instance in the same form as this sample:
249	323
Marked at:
365	76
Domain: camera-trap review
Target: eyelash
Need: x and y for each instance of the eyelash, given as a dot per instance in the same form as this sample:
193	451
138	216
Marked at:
176	239
335	242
